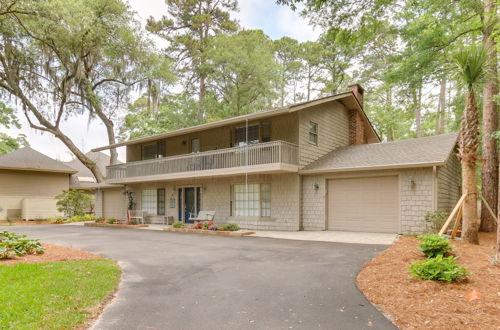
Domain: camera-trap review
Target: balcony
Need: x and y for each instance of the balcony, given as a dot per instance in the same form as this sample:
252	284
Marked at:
269	157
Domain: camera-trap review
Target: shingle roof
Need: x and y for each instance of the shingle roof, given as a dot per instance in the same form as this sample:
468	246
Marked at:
78	179
425	151
100	158
30	159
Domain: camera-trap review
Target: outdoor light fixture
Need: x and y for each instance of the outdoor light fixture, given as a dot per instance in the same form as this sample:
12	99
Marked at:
316	186
411	182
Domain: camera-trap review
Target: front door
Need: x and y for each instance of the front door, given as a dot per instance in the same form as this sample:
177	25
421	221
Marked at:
189	203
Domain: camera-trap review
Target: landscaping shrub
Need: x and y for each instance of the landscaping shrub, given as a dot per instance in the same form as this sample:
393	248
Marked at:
80	218
111	221
433	245
435	220
230	227
99	220
56	220
438	269
74	202
178	224
14	244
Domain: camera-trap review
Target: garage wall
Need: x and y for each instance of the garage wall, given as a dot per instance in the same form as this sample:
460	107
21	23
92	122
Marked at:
448	185
415	200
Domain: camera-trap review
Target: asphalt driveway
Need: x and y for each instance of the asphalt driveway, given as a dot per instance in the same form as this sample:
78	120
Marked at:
183	281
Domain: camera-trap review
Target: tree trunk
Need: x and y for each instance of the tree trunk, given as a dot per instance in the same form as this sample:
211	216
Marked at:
441	108
201	98
490	90
108	123
498	217
468	145
418	112
309	77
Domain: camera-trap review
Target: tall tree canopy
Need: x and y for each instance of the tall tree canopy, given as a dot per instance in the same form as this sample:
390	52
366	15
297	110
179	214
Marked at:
188	27
59	58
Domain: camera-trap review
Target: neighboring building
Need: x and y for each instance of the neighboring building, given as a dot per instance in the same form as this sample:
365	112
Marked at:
317	165
29	181
85	180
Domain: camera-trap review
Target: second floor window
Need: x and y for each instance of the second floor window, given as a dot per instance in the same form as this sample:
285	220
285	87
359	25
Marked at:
313	133
153	150
253	134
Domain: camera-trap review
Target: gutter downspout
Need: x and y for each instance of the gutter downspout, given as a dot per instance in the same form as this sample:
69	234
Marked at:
434	188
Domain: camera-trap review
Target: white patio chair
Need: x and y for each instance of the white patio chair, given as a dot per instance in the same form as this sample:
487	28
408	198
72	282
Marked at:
204	216
137	215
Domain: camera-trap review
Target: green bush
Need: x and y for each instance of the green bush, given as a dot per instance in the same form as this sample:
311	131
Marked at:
111	221
230	227
74	202
433	245
438	269
178	224
435	220
14	244
56	220
80	218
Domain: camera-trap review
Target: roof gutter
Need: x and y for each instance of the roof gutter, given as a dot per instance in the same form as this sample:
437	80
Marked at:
371	168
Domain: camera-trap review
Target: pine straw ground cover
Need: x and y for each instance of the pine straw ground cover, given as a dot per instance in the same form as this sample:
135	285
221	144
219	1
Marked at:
416	304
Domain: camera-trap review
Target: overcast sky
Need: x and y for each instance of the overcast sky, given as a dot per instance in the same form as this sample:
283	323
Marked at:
276	21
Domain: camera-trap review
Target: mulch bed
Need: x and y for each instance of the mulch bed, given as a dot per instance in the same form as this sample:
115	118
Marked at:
26	223
416	304
238	233
52	253
114	225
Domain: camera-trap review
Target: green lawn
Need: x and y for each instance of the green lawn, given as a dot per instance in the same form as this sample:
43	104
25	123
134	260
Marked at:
54	295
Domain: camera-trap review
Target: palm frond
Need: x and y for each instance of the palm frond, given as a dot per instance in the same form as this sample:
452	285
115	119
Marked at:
470	64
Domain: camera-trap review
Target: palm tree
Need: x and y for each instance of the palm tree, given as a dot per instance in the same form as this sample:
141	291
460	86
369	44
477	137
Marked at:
470	67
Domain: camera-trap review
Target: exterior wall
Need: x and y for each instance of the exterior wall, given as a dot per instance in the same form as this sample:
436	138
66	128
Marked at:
283	127
31	183
414	201
216	196
333	131
30	194
114	203
448	184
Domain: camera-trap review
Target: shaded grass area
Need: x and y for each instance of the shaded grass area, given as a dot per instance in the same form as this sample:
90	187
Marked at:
54	295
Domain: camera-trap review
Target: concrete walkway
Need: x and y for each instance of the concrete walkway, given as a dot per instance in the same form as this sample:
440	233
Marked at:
331	236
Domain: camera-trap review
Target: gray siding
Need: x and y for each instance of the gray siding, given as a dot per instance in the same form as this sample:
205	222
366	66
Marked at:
448	183
333	131
414	201
216	196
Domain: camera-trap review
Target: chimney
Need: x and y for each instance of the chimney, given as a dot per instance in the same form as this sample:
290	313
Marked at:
358	92
356	122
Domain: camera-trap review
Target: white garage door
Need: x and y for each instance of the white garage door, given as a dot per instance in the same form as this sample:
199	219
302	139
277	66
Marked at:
364	204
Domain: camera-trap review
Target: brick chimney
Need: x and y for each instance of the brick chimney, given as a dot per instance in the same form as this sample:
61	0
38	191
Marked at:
356	123
358	92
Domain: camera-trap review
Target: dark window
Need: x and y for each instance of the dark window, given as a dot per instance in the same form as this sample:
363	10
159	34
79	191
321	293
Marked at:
161	201
153	150
149	151
313	132
244	134
161	149
265	131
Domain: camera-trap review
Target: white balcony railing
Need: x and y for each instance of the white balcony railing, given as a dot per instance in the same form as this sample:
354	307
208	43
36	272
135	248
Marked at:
255	154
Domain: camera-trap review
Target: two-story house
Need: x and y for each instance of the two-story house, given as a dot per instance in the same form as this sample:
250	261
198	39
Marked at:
317	165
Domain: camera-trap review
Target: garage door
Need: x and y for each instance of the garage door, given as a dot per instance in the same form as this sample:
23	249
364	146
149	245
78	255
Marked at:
364	204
